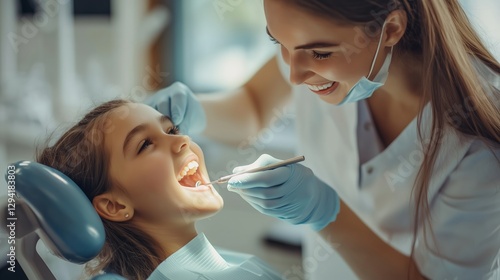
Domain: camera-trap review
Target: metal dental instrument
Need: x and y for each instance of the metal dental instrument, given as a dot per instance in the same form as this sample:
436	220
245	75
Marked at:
263	168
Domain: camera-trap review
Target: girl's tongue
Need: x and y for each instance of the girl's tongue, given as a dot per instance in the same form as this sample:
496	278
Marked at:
190	180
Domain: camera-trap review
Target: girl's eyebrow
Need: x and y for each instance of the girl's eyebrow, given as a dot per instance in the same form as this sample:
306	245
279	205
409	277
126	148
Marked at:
162	119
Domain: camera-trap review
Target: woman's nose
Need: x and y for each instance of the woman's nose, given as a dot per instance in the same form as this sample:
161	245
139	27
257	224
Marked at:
180	143
299	71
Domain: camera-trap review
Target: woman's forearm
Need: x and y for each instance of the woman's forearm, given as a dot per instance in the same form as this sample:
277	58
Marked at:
231	117
238	116
367	255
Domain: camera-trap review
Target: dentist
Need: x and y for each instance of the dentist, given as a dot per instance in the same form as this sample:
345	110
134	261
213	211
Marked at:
398	117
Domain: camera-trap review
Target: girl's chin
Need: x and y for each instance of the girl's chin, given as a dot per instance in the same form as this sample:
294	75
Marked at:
205	195
204	211
205	214
200	188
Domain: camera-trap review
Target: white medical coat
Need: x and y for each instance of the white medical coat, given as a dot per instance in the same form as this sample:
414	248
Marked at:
343	149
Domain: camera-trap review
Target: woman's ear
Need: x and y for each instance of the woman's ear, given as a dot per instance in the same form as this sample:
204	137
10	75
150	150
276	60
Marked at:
395	27
113	208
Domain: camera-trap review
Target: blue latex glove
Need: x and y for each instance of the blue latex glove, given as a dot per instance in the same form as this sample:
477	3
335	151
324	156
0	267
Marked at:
179	103
291	193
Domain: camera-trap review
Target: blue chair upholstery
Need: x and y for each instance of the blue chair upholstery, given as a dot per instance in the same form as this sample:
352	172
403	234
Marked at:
51	207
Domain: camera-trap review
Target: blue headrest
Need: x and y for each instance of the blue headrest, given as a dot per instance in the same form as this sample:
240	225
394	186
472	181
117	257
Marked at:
63	211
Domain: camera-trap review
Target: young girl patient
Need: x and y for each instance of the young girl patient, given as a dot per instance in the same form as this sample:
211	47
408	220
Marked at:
139	172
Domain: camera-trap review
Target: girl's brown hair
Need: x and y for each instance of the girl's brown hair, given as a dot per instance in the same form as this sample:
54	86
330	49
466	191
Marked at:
438	32
80	155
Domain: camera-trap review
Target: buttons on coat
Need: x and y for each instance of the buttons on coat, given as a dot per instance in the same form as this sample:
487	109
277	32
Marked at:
367	125
369	170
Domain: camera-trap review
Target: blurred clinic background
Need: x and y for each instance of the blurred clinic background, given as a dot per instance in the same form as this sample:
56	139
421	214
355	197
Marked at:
61	57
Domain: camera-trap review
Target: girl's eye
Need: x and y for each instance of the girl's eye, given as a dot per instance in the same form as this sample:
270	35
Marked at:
174	130
321	56
144	145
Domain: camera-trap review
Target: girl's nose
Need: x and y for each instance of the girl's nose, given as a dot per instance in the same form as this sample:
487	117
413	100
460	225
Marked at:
181	142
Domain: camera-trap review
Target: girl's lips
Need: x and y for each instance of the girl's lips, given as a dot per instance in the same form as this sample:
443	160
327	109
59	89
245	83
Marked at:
201	176
325	91
190	179
200	188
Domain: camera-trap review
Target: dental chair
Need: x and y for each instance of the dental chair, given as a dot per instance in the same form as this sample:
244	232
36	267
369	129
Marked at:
51	207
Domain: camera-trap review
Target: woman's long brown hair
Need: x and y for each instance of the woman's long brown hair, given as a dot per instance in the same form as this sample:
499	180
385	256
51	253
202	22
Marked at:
439	32
80	155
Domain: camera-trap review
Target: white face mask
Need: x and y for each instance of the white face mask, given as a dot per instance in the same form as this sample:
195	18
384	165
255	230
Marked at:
364	88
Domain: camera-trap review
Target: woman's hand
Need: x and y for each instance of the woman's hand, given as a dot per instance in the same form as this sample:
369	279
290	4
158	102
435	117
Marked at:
180	104
291	193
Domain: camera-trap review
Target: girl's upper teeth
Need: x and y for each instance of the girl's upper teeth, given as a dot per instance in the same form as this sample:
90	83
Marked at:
320	87
193	164
189	169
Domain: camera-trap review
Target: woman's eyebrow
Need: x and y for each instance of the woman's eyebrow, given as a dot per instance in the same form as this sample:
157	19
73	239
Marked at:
314	45
162	119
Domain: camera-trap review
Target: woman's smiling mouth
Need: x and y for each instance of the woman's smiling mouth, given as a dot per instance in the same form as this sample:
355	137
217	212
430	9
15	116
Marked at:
323	89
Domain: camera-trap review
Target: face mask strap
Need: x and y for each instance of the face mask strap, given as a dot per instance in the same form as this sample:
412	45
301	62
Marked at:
378	49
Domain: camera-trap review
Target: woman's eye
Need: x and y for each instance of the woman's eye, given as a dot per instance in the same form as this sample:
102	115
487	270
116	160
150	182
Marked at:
321	56
274	40
174	130
144	145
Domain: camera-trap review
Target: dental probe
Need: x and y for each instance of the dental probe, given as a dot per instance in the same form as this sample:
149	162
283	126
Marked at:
263	168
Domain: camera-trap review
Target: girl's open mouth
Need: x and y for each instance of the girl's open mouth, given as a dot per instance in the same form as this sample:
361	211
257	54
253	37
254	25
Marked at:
190	174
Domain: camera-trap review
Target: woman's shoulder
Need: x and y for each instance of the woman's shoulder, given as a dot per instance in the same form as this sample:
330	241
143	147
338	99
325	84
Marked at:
478	148
486	72
490	80
478	171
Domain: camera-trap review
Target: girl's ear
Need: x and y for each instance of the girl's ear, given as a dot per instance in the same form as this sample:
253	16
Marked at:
395	28
113	208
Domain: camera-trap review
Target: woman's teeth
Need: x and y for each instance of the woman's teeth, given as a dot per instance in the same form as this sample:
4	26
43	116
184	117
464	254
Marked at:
320	87
189	169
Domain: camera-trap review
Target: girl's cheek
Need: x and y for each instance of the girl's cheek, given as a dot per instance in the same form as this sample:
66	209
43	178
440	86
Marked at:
155	176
